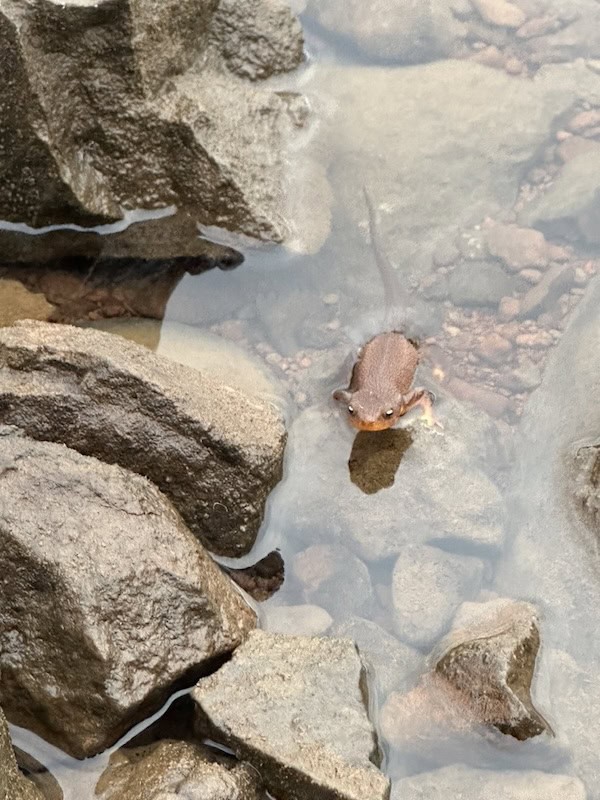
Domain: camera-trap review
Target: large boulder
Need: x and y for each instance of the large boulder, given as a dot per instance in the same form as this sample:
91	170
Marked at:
215	452
135	104
13	786
176	769
106	600
295	708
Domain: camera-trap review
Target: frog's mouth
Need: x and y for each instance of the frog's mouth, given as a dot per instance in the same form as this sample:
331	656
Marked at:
377	425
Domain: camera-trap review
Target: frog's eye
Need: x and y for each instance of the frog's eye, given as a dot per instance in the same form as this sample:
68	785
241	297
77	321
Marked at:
389	412
351	409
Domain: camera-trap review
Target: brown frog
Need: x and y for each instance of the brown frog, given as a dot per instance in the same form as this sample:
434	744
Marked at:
380	386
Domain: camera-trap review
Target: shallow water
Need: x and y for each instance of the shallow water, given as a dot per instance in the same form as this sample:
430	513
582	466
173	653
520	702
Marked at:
301	315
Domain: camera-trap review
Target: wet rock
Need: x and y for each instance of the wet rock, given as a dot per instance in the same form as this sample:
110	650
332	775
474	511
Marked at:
577	33
392	664
571	206
516	247
428	585
494	348
584	120
13	786
489	657
409	32
575	146
493	403
213	451
587	482
523	378
141	110
420	507
468	783
96	607
444	195
176	769
17	302
543	296
278	704
500	12
333	577
304	620
479	283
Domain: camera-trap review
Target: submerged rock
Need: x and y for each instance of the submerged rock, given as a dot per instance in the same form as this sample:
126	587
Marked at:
481	784
213	451
142	110
479	283
489	658
586	482
106	599
176	769
295	708
13	786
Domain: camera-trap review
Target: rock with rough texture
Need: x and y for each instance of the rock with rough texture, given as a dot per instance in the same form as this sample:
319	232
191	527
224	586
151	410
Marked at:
571	206
294	708
416	504
428	585
392	664
106	599
402	31
13	786
489	658
467	783
17	302
573	31
172	769
141	109
518	247
586	483
543	296
500	12
213	451
479	283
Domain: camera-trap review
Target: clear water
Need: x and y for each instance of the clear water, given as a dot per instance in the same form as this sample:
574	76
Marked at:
303	310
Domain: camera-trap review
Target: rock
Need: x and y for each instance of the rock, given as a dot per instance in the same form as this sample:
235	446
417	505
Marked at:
468	783
278	704
428	585
543	296
420	506
172	769
516	247
13	786
405	32
213	451
332	576
68	671
586	490
576	146
584	120
532	276
571	206
523	378
494	348
391	664
576	33
539	26
509	308
493	403
17	302
500	12
479	283
304	620
489	657
152	120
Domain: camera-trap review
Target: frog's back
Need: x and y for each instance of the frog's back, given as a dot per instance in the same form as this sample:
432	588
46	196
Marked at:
387	362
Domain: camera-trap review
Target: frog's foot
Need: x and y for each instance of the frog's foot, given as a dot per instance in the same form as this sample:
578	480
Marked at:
425	399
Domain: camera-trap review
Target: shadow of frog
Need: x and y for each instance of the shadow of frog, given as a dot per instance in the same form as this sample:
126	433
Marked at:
376	457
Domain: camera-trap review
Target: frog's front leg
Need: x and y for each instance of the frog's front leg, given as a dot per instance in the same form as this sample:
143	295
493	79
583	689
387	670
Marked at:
424	398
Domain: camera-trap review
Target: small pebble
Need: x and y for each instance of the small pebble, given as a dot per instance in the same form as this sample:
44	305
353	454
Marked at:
334	325
305	362
273	358
513	66
509	308
531	275
331	299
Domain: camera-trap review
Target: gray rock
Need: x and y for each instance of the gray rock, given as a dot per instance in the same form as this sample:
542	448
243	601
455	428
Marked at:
393	663
436	113
544	295
489	658
416	504
404	31
295	709
13	786
303	620
333	577
171	769
479	283
213	451
106	599
140	110
428	585
481	784
571	206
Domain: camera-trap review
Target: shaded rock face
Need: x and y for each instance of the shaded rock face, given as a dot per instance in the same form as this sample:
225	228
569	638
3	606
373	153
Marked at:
101	113
294	707
489	657
480	784
587	483
214	452
106	599
13	786
176	770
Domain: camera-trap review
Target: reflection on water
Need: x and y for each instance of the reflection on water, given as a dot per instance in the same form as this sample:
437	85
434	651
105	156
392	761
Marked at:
463	161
